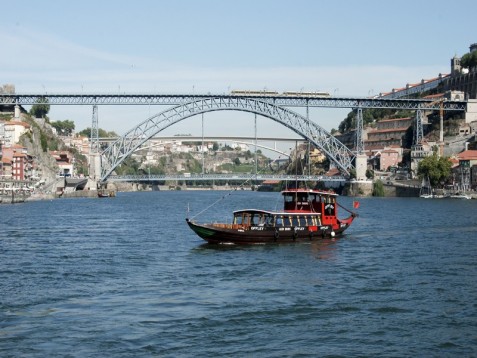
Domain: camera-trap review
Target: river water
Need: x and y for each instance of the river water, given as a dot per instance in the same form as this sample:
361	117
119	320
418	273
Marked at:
126	277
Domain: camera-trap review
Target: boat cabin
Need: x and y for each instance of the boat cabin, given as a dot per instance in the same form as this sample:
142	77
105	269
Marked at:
247	218
310	201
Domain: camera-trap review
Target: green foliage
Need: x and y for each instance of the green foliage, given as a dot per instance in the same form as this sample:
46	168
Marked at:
44	141
130	166
41	108
237	161
369	173
352	174
227	148
369	116
101	133
437	169
469	60
65	127
378	188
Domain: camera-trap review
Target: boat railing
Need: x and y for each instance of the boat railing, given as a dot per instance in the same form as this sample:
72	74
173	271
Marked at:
230	226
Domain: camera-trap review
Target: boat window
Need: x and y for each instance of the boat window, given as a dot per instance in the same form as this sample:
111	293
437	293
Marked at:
238	218
246	219
255	219
303	197
294	220
279	221
289	198
268	220
303	221
286	221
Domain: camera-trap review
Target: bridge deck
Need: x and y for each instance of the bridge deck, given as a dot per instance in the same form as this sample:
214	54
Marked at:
178	99
225	177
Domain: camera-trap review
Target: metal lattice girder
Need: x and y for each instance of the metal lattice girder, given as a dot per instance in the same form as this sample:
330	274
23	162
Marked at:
234	176
279	100
418	129
359	132
129	142
95	131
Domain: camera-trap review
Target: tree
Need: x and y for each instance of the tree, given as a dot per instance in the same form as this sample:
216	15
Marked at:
378	188
65	127
41	108
101	133
437	169
469	60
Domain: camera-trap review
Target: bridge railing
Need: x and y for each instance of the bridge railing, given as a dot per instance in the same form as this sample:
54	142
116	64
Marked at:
224	177
178	99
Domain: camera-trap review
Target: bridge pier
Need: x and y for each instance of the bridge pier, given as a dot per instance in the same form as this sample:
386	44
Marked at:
361	166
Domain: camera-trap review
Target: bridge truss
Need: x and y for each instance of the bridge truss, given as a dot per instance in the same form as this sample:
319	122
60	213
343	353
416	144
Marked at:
223	177
278	100
129	142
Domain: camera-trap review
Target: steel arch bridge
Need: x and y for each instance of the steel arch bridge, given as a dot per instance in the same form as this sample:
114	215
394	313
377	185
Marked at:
119	150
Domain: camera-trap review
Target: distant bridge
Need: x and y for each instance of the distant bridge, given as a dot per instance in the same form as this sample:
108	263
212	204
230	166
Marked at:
224	177
187	138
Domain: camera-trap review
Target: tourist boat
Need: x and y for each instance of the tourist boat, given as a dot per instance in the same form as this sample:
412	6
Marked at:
307	215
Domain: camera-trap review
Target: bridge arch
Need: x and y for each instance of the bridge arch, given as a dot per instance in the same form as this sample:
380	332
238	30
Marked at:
119	150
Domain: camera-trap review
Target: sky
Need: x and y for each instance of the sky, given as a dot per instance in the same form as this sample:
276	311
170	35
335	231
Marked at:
344	47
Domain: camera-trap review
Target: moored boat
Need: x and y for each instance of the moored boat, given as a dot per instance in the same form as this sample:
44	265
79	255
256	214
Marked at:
306	215
459	196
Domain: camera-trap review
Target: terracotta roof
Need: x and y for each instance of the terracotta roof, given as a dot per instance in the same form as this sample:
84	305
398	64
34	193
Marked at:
17	146
467	155
401	129
270	182
433	96
332	172
15	123
395	119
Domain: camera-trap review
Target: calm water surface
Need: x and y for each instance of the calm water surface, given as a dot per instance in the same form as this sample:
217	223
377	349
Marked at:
125	277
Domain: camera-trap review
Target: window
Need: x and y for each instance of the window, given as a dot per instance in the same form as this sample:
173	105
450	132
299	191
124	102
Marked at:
286	221
238	219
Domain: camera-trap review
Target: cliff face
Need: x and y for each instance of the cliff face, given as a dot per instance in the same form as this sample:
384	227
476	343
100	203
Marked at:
45	163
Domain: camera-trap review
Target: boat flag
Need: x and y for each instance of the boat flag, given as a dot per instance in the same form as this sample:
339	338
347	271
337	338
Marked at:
356	204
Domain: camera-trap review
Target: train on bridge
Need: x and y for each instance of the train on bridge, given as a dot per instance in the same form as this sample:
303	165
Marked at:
262	93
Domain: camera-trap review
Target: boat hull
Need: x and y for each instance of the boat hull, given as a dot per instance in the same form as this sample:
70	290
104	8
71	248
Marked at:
214	234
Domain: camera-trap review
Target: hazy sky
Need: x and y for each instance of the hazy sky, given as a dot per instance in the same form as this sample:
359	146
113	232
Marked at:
348	48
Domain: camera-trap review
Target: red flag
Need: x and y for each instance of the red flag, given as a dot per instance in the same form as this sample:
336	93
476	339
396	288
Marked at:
356	204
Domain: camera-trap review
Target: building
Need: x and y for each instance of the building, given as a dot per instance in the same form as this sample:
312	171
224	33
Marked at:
462	79
81	143
13	130
65	162
465	175
388	132
389	158
16	162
